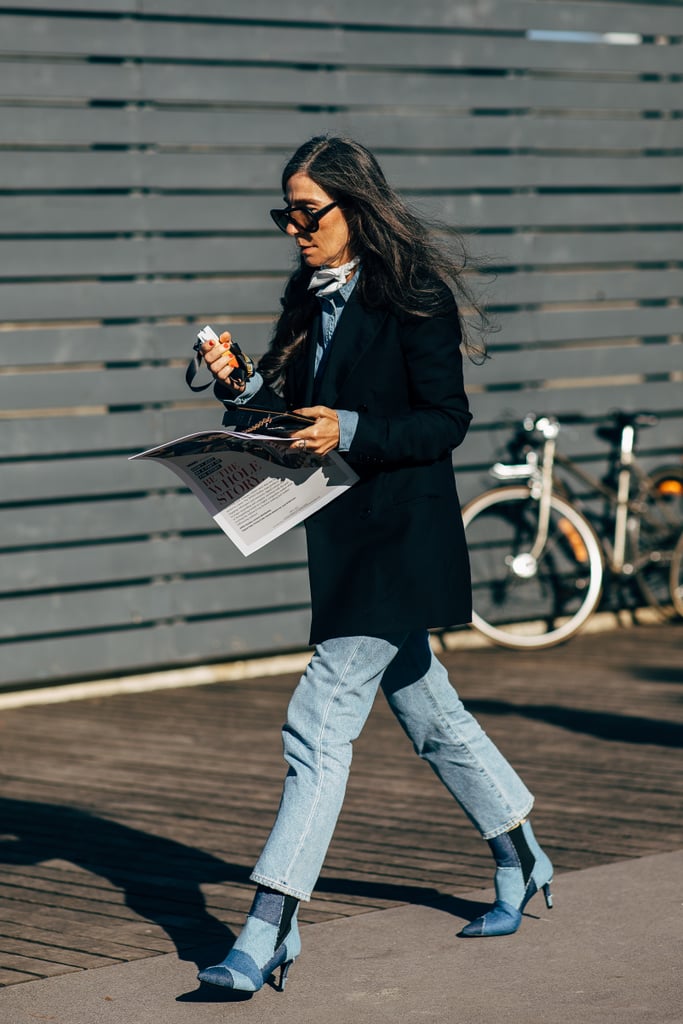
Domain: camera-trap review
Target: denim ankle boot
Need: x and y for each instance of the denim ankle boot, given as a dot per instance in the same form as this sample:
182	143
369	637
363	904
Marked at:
269	939
522	869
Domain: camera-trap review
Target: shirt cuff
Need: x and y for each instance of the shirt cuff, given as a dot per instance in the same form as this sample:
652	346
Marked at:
348	423
251	388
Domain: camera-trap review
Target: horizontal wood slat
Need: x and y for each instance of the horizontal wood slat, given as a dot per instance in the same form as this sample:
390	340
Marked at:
106	519
194	171
72	479
57	258
145	559
583	363
164	342
662	396
216	300
594	324
520	209
178	83
587	286
137	342
124	432
85	215
469	14
184	643
123	300
487	442
70	126
596	17
125	606
309	45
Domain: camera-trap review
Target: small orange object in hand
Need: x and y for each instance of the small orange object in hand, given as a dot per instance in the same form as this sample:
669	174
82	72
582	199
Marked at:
232	359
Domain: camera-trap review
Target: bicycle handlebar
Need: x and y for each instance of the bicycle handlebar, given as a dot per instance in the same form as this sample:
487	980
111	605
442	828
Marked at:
547	426
538	429
618	418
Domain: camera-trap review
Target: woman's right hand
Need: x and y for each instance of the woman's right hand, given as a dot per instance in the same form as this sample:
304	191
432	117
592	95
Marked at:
221	361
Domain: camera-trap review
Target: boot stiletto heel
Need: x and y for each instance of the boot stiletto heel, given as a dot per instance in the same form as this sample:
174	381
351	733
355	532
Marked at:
284	971
522	869
269	939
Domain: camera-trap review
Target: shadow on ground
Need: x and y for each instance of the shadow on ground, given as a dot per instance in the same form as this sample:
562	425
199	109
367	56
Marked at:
602	724
161	879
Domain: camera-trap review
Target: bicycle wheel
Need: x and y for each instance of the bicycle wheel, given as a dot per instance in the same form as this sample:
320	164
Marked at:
654	538
520	602
676	577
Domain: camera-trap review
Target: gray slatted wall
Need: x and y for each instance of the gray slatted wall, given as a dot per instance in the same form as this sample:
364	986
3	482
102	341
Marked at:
141	148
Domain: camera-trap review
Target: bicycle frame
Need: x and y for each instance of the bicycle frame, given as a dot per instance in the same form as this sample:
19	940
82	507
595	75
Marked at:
542	480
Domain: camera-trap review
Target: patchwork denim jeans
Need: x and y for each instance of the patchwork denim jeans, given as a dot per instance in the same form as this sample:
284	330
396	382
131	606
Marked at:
327	713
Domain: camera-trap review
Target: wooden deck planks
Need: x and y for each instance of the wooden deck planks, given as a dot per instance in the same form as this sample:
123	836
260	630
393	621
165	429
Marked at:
128	825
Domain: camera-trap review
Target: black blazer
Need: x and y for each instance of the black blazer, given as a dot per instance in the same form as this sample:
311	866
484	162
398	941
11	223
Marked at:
389	555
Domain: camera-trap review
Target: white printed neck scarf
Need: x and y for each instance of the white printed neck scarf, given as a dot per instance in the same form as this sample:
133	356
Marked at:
327	280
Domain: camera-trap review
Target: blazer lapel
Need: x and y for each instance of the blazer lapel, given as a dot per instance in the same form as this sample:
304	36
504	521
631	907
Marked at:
300	374
313	336
355	332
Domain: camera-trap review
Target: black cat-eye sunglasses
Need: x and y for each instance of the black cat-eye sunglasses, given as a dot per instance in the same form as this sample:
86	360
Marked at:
301	217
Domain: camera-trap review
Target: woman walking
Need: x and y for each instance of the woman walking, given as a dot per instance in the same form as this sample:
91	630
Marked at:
368	347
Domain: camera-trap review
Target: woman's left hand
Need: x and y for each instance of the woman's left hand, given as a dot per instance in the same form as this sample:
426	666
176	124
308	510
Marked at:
323	435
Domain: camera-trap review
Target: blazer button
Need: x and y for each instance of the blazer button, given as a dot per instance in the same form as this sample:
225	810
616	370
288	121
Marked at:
362	408
366	513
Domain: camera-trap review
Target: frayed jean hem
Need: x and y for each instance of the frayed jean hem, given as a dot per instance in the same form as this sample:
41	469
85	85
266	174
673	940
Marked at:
510	824
270	883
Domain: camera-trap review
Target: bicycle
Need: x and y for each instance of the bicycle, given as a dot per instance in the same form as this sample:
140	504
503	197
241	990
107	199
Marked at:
540	558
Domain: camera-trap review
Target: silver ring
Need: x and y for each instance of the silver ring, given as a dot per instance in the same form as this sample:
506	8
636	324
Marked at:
303	443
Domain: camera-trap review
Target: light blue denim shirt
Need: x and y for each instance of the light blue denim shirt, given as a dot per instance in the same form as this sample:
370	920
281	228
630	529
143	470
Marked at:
332	307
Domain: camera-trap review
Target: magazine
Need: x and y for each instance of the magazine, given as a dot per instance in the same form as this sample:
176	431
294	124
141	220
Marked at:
255	486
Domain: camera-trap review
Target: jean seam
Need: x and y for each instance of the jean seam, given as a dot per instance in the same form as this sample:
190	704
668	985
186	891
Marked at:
480	765
319	759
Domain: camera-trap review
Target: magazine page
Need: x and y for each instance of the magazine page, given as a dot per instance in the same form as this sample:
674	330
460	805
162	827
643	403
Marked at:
253	485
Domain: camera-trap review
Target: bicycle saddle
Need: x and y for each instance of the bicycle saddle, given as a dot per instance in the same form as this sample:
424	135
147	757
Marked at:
620	419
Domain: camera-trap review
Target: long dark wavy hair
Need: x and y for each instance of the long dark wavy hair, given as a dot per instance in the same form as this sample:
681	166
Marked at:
403	268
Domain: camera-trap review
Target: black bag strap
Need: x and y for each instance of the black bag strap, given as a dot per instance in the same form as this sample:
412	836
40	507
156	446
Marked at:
241	374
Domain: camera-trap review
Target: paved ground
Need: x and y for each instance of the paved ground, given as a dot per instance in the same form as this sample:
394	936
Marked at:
129	824
608	952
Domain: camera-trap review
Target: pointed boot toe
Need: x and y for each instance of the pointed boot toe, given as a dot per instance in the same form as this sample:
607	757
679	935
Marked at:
502	919
217	975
